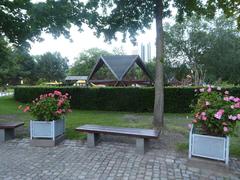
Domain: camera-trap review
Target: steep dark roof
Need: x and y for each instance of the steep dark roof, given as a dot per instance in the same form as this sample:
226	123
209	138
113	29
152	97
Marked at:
119	65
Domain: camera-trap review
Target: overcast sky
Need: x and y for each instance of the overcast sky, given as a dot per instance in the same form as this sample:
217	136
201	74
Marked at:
85	40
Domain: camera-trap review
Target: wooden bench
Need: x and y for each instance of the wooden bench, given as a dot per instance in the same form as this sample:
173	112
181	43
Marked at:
142	135
7	130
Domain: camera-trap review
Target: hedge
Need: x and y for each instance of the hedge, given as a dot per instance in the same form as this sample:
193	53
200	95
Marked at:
177	100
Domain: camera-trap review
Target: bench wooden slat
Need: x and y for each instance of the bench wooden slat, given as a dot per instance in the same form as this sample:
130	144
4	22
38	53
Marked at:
10	125
144	133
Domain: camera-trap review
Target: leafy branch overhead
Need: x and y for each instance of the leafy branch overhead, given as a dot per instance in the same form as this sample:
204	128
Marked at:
131	17
24	20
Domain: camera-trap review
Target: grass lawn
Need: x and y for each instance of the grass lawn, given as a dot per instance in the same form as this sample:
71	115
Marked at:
175	123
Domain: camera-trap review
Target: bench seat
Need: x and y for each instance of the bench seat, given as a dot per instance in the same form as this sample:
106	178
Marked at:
141	135
7	130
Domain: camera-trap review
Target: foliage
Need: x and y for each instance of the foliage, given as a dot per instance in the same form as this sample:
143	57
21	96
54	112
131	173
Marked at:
86	61
51	67
128	99
221	60
210	48
49	107
16	64
23	20
216	112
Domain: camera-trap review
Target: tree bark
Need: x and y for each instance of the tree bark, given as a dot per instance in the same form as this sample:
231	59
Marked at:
158	120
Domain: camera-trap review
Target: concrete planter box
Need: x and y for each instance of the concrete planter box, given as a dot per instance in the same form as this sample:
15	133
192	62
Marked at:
212	147
47	133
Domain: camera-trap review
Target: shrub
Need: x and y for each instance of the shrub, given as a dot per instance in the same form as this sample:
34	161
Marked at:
216	112
177	100
49	107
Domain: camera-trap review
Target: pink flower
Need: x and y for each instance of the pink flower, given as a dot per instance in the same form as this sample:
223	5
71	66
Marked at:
204	118
209	89
226	98
26	109
207	103
236	99
238	116
189	126
231	98
234	118
237	105
69	110
58	93
203	113
226	92
201	90
221	111
219	114
225	129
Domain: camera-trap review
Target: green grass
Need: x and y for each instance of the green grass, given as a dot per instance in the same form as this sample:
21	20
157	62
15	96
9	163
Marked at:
174	123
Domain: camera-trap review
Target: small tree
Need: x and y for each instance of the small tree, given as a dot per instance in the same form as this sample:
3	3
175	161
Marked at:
130	17
51	67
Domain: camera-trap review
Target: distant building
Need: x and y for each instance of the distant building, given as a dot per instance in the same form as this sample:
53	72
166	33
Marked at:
143	52
149	52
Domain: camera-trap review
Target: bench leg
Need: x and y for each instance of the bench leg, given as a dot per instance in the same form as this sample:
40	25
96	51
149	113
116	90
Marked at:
9	134
2	135
141	145
92	139
6	134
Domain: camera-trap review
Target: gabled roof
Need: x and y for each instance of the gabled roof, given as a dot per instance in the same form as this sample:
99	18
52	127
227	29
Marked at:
119	65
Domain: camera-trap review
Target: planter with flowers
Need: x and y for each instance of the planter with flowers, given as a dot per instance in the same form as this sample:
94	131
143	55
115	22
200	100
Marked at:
49	126
215	120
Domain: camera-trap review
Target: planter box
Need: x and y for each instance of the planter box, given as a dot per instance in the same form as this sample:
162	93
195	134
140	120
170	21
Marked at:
47	133
206	146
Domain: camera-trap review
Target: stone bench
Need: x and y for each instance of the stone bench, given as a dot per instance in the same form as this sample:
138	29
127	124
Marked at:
141	135
7	130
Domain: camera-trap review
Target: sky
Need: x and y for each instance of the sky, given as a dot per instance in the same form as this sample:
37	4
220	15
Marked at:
86	39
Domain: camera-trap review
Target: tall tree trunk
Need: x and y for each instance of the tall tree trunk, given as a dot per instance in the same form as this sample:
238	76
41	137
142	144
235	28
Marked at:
158	120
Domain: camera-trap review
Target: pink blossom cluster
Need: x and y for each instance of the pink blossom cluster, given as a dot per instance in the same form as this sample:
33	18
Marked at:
219	113
216	111
55	98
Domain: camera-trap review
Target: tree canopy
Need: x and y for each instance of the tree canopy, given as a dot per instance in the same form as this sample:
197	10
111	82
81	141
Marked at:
51	67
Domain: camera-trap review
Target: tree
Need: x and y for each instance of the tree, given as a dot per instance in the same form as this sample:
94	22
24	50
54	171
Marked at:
6	63
187	42
221	60
130	16
210	48
86	61
23	20
51	67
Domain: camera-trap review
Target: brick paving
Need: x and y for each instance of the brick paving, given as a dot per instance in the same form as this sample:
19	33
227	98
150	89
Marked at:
108	161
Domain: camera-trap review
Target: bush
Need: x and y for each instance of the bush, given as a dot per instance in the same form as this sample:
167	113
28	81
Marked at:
216	112
177	100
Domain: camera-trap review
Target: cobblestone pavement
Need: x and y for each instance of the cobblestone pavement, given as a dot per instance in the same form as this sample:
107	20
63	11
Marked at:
109	160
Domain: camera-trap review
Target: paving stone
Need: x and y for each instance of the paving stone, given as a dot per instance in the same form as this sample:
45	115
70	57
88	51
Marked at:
107	161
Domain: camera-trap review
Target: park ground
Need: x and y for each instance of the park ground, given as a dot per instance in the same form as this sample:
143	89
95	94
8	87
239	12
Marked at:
174	137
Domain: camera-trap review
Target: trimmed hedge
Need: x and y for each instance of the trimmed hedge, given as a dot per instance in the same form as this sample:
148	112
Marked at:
177	100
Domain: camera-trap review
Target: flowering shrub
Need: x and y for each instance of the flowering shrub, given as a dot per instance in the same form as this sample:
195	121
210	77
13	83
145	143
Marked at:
49	107
216	112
